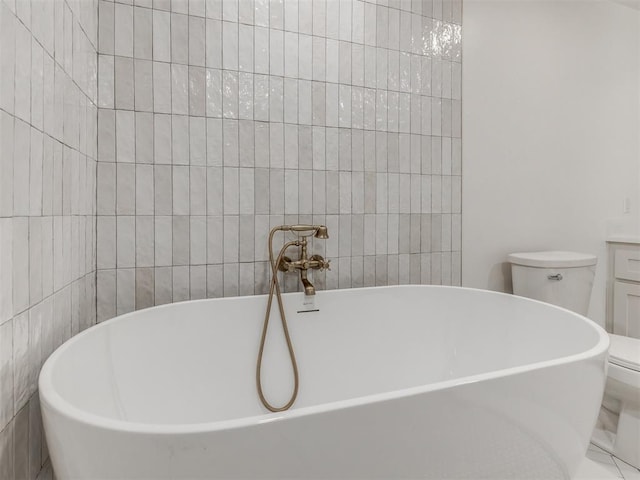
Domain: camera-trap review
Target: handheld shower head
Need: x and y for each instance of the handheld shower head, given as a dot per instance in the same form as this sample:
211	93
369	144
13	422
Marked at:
322	232
318	231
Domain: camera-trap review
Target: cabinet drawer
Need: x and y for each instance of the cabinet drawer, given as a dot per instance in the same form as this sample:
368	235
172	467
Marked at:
627	264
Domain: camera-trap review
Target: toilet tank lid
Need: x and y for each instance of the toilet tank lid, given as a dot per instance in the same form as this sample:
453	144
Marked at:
625	351
553	259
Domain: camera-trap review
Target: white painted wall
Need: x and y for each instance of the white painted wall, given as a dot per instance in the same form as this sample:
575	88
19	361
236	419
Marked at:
551	120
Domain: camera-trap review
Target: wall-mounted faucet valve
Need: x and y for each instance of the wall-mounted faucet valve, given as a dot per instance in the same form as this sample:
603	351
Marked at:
305	263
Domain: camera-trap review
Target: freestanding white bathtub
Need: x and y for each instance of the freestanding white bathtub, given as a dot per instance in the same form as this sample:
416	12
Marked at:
396	382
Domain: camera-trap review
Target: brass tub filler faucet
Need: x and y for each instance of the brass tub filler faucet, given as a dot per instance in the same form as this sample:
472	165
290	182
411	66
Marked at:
285	264
316	262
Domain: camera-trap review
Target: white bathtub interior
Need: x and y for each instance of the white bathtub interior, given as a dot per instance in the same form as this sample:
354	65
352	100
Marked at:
139	375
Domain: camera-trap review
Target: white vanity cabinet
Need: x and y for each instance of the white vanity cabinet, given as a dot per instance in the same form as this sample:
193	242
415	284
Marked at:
623	287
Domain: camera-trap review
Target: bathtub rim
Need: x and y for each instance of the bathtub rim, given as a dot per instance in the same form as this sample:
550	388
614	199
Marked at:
50	398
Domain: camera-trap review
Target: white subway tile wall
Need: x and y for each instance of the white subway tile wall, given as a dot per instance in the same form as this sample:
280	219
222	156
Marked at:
48	159
223	119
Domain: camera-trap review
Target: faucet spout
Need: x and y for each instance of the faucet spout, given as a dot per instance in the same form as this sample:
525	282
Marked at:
309	289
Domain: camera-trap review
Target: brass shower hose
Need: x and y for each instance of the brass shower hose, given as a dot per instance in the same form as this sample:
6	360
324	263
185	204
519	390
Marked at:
275	285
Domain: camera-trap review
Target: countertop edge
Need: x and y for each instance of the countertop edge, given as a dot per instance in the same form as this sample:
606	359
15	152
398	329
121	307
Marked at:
624	239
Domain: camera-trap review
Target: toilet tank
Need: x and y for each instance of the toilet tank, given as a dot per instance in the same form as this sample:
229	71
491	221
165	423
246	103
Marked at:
560	278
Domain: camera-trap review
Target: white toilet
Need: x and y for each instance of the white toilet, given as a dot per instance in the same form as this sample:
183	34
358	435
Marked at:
565	279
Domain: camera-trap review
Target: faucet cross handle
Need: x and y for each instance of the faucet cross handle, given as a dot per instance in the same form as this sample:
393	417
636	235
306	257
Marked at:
322	263
286	265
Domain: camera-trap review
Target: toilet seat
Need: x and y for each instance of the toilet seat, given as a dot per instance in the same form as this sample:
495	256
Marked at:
625	352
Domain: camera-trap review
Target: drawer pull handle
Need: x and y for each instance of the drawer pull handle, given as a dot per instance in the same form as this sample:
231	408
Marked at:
557	276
